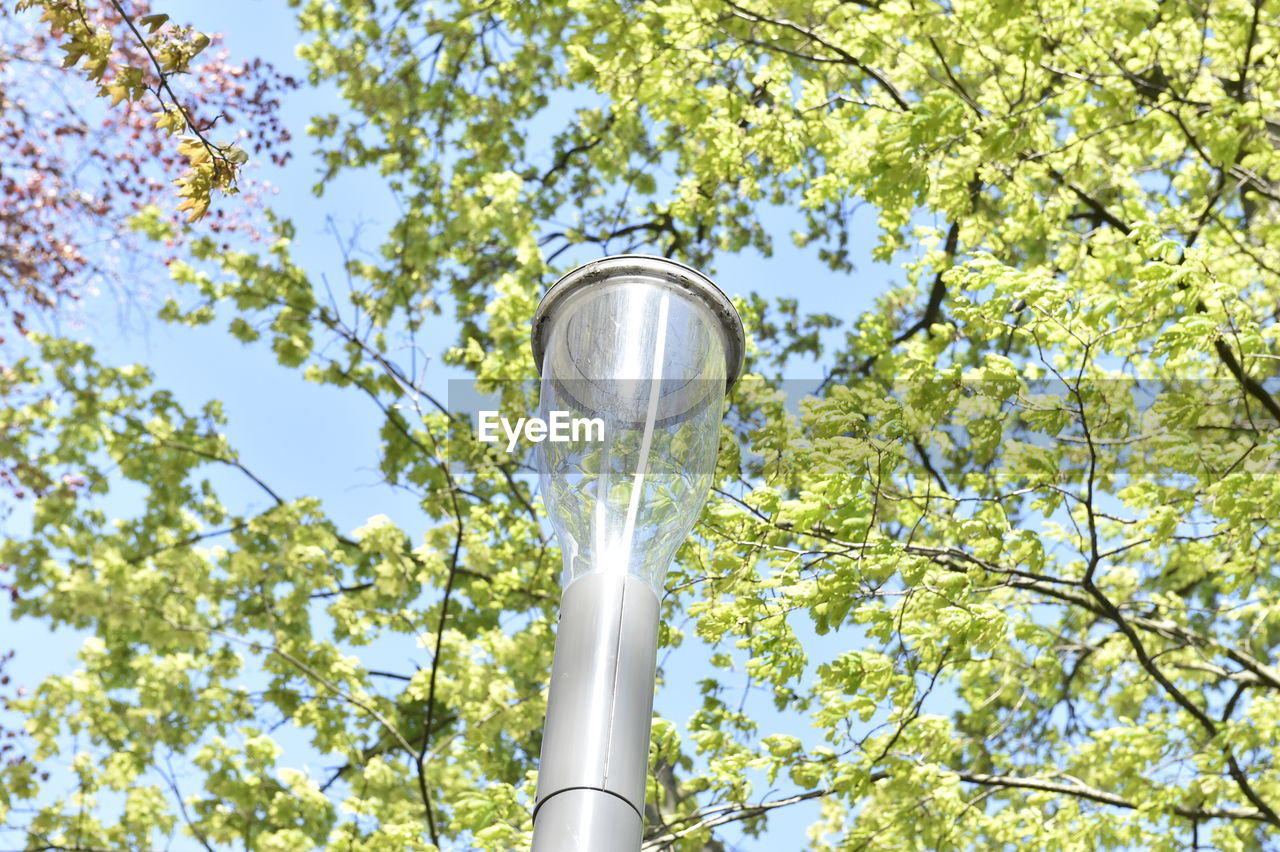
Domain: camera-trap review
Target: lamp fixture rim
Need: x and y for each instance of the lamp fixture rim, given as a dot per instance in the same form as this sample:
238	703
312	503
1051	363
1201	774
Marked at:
685	277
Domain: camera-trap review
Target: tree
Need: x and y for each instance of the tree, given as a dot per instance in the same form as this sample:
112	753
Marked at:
73	175
1037	492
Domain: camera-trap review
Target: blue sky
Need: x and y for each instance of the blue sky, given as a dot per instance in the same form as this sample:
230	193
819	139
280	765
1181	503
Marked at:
283	427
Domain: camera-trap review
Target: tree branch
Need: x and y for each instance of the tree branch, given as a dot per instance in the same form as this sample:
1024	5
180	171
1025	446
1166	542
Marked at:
1093	794
845	57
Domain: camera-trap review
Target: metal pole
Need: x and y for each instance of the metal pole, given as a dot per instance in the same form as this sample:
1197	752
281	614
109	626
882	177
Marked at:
595	747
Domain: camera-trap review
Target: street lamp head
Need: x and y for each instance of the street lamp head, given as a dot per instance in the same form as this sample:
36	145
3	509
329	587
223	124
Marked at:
637	352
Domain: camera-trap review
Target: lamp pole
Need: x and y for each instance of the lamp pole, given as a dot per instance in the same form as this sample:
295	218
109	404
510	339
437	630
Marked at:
647	348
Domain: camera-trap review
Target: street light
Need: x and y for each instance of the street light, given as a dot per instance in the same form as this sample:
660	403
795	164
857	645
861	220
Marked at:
646	348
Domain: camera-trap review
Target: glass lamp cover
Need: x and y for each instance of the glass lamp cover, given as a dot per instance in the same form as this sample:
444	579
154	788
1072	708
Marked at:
640	363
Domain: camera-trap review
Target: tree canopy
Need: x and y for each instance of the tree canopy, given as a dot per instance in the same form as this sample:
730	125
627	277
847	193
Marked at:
1035	496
